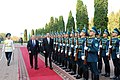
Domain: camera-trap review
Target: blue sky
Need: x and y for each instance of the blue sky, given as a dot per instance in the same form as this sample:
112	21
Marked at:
17	15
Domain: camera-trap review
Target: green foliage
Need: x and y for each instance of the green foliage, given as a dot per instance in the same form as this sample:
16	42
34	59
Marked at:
2	36
70	23
81	15
61	24
100	14
25	35
32	32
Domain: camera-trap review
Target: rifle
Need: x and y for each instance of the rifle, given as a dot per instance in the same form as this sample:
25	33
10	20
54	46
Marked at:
110	49
72	49
60	44
100	48
67	47
86	53
56	45
77	50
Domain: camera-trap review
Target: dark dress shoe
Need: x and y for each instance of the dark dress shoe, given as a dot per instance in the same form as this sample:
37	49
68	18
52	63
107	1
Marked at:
78	77
36	68
51	68
68	70
114	78
64	68
99	71
73	73
107	75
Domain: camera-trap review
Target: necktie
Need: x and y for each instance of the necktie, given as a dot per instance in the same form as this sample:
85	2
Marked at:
33	42
48	40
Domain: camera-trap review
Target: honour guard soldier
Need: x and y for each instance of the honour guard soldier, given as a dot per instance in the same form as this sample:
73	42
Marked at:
115	53
103	53
59	48
67	60
71	53
99	57
63	50
92	57
82	68
54	38
56	48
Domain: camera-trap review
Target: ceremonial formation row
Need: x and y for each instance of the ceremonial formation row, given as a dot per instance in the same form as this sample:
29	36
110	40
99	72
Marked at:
79	51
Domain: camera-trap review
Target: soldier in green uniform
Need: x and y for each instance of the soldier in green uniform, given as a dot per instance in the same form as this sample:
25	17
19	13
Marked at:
67	48
103	53
115	53
92	56
82	68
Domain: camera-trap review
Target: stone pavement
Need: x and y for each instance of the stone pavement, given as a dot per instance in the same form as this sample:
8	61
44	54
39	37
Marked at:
9	72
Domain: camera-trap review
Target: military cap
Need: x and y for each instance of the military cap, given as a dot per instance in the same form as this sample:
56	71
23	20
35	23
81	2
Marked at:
94	30
116	31
85	31
68	32
106	32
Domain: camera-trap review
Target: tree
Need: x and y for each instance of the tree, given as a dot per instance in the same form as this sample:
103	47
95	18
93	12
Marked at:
51	24
25	35
32	32
70	23
114	21
100	14
61	24
81	15
56	27
2	36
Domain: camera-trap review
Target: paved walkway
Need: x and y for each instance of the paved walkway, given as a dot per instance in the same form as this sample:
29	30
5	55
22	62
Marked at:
13	72
9	72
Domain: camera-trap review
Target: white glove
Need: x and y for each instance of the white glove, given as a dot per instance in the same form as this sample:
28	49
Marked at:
29	51
83	57
76	46
118	55
110	46
100	46
98	52
65	51
61	51
74	54
86	48
44	52
60	44
67	44
56	43
63	44
58	50
107	54
55	48
69	53
72	46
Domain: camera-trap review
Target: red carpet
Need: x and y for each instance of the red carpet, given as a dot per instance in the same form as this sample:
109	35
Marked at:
42	73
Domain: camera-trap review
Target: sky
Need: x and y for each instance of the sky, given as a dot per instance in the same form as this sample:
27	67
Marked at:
17	15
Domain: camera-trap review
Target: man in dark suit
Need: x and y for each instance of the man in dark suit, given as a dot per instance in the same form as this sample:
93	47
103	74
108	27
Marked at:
33	49
47	49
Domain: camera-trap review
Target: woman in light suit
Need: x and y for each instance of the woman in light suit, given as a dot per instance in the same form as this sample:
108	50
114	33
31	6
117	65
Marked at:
8	48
